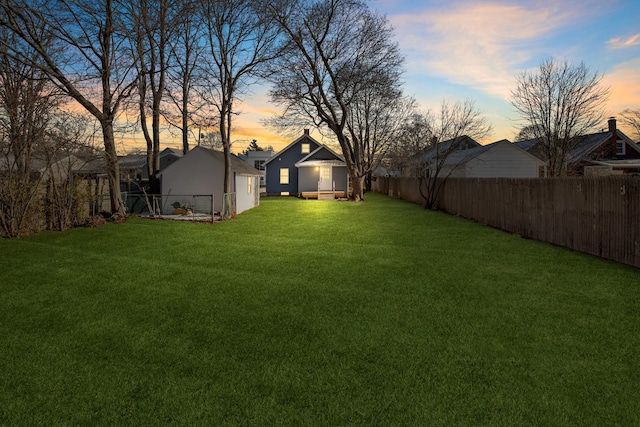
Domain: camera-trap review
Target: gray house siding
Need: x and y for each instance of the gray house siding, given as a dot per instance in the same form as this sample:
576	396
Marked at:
340	178
287	158
308	178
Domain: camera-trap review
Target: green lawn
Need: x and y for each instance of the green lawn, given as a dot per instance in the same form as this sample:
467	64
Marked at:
314	313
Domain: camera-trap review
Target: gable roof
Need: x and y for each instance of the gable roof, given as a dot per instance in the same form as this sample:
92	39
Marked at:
585	144
460	157
309	160
237	165
173	151
279	153
463	143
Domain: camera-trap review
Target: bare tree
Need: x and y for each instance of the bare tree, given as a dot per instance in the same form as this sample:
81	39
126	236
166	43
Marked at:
40	147
241	41
184	71
526	133
561	101
414	135
454	129
150	29
632	118
336	49
27	102
378	114
86	60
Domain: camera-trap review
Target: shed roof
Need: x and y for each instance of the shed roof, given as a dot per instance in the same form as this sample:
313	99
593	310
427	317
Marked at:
237	165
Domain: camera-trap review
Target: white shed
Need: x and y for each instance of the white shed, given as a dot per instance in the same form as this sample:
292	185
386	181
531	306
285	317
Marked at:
200	172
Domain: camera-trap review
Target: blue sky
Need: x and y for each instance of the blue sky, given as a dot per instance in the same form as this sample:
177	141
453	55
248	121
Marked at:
475	49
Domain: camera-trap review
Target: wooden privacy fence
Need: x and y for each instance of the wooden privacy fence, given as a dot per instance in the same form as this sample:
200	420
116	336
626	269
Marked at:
598	216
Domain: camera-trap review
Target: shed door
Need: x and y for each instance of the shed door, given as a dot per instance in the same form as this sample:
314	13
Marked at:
325	182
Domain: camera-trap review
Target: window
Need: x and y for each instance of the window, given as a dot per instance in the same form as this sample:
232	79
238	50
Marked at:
249	181
259	164
284	176
306	148
620	146
325	173
540	171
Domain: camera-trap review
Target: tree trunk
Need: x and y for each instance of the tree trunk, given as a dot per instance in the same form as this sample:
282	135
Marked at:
357	186
113	169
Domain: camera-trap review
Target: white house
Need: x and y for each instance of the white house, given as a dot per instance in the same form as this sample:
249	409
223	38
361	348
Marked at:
257	159
200	172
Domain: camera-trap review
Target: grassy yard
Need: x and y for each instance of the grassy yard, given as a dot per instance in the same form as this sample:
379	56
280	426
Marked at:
314	313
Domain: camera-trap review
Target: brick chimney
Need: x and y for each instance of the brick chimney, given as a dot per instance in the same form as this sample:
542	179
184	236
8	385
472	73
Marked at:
614	137
306	131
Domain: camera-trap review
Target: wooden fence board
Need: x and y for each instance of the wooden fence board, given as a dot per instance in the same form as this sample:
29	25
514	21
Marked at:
598	216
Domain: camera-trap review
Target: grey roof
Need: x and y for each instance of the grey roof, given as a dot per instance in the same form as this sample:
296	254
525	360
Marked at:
527	144
585	144
238	165
321	147
460	157
430	152
174	151
132	161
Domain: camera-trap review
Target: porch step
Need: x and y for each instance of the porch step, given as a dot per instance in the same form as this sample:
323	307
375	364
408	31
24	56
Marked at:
325	196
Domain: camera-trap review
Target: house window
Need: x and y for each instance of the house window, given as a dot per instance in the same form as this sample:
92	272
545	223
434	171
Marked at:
284	176
306	148
620	147
325	173
540	171
259	164
249	181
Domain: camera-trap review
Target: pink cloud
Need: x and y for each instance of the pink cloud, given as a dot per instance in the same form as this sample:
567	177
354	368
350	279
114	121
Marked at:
482	44
621	43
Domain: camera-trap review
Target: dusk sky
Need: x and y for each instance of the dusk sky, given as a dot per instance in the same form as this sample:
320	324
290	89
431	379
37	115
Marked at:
473	49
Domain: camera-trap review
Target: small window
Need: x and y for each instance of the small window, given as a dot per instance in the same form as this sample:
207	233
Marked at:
620	147
306	148
249	182
540	171
325	173
259	164
284	176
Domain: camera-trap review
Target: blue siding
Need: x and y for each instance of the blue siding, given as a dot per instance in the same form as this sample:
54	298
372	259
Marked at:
287	158
322	154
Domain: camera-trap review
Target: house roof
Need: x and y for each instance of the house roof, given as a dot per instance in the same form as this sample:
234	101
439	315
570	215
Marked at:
462	144
586	144
173	151
132	161
460	157
41	164
279	153
238	166
308	160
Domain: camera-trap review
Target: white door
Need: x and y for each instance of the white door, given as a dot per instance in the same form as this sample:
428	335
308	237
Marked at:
324	181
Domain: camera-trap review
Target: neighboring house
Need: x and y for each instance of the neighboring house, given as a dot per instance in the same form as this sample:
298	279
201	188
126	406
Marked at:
501	159
602	153
133	168
308	169
424	162
257	159
200	172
